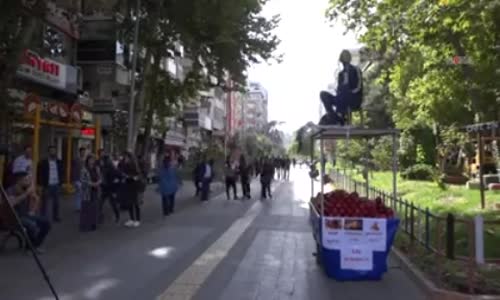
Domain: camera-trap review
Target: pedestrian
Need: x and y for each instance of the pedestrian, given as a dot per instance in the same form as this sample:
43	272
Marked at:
25	201
266	177
91	184
24	162
169	182
49	178
76	170
130	189
230	173
207	174
110	186
245	177
198	176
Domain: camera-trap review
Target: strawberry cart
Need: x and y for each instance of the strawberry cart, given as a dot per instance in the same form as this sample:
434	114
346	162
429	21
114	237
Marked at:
353	234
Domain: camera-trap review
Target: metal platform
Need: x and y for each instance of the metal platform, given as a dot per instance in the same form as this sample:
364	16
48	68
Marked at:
342	132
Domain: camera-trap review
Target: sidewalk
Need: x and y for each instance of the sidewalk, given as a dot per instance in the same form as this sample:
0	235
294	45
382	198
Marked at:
67	231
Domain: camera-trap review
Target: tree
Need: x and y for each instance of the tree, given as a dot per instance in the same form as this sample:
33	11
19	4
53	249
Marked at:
422	88
219	47
18	23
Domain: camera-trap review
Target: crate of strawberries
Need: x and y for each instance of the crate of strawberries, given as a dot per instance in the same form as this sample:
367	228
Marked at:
354	235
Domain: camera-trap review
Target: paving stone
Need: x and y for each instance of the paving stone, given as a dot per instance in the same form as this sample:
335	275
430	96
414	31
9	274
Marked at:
276	253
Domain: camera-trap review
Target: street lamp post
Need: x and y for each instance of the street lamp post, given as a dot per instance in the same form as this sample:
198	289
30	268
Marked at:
131	110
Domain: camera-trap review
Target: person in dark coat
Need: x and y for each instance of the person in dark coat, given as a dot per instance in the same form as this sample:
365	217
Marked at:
266	177
349	93
206	175
245	177
110	187
198	176
230	174
50	177
131	175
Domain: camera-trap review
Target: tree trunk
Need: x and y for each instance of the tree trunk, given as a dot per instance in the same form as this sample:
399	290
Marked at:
140	97
150	92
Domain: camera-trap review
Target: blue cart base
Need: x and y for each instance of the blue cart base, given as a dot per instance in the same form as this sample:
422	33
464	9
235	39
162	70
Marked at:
330	259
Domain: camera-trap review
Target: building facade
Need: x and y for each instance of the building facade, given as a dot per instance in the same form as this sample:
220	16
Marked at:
48	78
249	110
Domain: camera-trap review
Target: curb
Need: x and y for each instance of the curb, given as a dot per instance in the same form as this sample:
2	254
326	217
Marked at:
430	289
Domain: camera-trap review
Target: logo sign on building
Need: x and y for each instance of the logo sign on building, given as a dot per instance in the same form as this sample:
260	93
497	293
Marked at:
31	102
76	113
53	108
42	70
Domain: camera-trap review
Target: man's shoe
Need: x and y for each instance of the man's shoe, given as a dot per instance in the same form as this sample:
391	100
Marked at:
136	224
129	223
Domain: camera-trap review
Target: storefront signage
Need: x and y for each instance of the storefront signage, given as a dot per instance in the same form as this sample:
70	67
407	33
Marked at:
87	131
53	108
87	116
366	233
76	113
42	70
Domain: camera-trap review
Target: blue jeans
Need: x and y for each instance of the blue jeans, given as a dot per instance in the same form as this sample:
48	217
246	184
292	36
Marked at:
51	199
77	197
36	227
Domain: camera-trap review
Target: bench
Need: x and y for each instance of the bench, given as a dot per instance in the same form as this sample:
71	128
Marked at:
9	228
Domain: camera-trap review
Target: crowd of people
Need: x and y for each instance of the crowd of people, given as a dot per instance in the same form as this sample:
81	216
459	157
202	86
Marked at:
267	168
34	191
99	180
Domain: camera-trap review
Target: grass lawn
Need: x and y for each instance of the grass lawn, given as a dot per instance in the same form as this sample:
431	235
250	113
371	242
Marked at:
455	199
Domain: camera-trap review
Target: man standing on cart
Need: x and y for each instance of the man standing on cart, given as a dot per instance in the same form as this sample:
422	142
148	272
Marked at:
349	93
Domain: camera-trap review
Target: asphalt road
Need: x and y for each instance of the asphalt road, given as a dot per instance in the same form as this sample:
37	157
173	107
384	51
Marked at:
218	250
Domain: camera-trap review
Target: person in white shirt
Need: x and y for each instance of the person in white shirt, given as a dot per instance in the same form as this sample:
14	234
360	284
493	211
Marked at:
24	162
50	178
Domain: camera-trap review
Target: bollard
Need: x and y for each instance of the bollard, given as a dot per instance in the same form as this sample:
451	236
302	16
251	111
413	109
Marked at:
412	222
479	238
450	236
427	229
406	216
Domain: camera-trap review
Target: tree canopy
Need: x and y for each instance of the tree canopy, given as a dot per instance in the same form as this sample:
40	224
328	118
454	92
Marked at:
438	64
221	38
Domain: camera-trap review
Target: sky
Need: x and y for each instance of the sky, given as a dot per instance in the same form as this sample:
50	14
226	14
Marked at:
311	47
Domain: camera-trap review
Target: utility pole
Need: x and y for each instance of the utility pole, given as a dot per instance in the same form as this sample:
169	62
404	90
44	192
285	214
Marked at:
131	109
243	123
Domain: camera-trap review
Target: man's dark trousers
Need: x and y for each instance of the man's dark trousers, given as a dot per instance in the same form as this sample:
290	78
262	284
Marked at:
205	189
51	199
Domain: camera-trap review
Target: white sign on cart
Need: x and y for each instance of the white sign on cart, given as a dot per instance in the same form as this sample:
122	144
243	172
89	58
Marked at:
340	233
